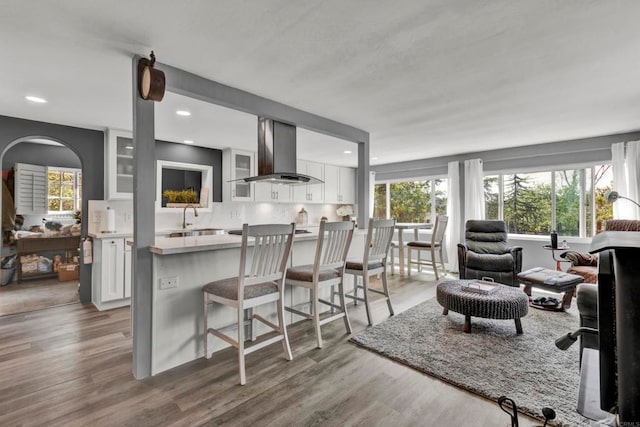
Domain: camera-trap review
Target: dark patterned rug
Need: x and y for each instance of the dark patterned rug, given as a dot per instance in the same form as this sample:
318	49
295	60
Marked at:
491	361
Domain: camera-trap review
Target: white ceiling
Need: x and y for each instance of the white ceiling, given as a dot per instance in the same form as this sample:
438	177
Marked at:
425	78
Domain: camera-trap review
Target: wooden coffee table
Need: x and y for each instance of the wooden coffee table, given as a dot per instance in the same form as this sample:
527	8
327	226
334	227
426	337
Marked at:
505	303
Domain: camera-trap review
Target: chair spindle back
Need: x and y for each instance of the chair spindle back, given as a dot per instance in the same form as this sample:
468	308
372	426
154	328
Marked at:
334	240
268	260
379	239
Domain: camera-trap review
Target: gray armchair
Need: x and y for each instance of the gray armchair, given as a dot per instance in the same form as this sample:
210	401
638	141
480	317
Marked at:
485	253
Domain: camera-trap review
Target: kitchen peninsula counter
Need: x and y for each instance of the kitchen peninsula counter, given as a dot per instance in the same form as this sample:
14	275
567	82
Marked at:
179	245
192	262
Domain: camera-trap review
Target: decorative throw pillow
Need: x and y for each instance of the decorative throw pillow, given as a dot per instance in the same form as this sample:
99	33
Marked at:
577	258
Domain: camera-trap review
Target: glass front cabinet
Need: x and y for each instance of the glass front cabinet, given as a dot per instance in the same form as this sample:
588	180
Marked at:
237	165
119	164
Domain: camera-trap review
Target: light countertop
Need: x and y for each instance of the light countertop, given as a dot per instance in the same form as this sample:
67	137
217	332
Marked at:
179	245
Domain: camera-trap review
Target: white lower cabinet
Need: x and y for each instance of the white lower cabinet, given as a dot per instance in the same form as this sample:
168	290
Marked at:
111	273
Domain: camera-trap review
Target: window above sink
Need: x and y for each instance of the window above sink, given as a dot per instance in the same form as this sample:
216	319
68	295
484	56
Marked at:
181	181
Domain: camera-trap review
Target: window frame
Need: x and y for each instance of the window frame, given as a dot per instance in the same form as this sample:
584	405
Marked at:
432	188
582	171
77	199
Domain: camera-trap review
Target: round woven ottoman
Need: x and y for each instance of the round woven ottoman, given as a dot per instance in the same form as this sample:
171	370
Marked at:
505	303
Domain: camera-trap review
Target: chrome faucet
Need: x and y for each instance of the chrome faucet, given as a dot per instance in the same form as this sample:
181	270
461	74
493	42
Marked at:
184	215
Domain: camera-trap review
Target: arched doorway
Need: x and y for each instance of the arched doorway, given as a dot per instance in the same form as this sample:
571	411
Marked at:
42	201
88	144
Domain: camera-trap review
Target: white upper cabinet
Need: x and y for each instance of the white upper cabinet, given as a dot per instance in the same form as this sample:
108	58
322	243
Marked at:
119	164
347	185
236	165
278	193
30	189
339	184
312	193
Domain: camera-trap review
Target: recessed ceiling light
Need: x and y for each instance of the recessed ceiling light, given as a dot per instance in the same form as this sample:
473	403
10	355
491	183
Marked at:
35	99
348	151
188	141
183	113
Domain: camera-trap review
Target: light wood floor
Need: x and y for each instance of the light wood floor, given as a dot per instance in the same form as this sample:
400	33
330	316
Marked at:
33	295
71	366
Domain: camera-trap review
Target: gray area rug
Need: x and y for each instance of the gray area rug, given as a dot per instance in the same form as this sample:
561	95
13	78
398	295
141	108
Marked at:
491	361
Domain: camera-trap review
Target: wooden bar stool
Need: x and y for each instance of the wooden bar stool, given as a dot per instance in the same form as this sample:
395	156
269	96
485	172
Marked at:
327	270
374	262
436	243
260	281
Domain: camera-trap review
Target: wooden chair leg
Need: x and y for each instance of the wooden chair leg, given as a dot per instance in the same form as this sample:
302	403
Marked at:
365	285
333	310
433	262
243	375
355	289
316	318
206	326
253	324
444	269
343	304
393	262
386	291
409	260
283	330
311	302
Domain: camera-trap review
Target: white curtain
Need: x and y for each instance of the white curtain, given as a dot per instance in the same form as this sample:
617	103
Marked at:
372	193
453	211
626	178
633	178
473	189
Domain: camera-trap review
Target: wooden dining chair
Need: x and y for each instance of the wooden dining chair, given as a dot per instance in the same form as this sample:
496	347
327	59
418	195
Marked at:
437	236
327	271
260	281
374	262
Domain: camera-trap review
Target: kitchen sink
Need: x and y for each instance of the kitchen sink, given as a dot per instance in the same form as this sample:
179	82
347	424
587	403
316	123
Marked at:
197	232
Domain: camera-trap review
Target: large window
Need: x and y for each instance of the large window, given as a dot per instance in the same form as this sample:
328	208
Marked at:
64	190
561	200
410	201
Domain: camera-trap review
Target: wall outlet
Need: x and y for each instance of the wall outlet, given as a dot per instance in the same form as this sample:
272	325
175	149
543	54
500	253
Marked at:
168	282
97	217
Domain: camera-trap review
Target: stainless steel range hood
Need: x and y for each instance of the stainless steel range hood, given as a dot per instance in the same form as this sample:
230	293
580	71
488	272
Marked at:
277	155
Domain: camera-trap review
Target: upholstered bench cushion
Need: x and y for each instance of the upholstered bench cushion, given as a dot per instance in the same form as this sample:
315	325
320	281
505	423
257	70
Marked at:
551	280
304	273
490	262
228	288
419	244
355	265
